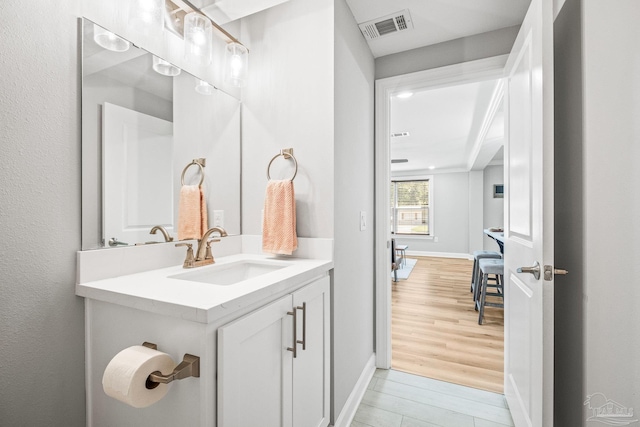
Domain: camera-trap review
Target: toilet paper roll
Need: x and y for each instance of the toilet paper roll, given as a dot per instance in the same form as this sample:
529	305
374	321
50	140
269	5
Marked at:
126	375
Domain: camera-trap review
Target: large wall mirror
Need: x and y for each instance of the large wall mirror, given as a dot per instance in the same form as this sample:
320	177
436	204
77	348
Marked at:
144	122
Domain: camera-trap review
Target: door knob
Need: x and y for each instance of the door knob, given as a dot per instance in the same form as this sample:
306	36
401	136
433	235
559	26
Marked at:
549	272
535	270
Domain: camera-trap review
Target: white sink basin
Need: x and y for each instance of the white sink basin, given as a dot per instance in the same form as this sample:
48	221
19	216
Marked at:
229	274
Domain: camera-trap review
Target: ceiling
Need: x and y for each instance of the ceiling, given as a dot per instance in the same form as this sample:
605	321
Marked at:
437	21
449	128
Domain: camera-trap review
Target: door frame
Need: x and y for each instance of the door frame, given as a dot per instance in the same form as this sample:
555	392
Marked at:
467	72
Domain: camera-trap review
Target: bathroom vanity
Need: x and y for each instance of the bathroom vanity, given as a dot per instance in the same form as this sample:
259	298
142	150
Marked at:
259	323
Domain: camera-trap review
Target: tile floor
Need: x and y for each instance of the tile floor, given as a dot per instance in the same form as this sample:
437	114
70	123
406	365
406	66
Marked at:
397	399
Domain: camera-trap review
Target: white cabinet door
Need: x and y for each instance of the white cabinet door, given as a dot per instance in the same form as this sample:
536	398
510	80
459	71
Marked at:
311	366
254	368
261	380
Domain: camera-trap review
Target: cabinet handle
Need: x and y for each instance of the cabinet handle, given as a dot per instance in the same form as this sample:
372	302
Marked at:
304	325
293	349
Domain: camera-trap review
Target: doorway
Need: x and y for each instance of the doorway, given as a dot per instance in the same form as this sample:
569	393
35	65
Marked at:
486	70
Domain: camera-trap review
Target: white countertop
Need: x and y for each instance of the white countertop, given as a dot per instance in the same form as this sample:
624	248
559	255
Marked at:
156	292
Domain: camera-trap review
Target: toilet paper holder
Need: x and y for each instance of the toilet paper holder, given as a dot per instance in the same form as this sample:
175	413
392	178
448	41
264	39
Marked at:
189	367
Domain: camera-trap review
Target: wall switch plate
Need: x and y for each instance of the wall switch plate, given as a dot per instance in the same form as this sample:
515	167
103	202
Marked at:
218	218
363	220
435	240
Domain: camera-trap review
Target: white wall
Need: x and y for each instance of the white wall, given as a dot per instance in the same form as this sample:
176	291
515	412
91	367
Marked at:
316	96
353	287
41	319
493	208
611	206
288	102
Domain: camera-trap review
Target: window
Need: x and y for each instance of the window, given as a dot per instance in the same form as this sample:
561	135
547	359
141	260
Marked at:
410	206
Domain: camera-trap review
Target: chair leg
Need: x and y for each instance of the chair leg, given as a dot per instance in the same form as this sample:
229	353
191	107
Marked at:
478	286
473	277
483	297
477	290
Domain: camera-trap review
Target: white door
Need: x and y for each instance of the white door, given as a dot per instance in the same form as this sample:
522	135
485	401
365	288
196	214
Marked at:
529	220
254	368
137	178
311	366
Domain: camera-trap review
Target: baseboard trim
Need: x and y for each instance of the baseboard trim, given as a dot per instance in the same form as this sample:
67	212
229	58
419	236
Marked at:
441	254
351	406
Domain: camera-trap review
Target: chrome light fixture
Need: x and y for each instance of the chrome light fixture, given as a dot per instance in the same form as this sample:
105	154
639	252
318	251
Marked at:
236	64
147	16
108	40
165	68
204	88
198	38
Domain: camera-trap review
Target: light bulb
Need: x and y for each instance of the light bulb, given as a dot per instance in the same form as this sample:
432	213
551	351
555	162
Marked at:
236	65
198	38
147	16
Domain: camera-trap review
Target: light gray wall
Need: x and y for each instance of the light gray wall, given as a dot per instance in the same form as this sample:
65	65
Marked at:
597	201
353	285
611	93
476	211
450	200
493	208
485	45
288	102
41	319
569	393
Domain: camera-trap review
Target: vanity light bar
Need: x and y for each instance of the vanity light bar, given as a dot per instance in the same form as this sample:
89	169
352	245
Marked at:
187	7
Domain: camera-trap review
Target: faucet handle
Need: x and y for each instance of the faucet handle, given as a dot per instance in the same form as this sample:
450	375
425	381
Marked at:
190	260
208	254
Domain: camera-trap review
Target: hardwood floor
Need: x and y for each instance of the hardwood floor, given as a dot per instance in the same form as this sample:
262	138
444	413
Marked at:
435	331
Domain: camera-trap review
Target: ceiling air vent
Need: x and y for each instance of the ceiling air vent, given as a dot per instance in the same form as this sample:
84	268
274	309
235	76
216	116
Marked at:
399	21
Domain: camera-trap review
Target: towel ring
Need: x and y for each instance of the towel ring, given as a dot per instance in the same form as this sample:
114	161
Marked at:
200	163
287	154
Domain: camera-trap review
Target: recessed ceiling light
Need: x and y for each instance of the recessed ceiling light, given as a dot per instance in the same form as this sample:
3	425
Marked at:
405	95
432	167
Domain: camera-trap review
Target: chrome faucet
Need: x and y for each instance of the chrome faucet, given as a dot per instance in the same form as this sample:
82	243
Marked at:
167	238
204	244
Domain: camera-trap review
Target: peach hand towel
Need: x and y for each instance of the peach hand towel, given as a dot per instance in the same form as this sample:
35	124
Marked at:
279	220
192	213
